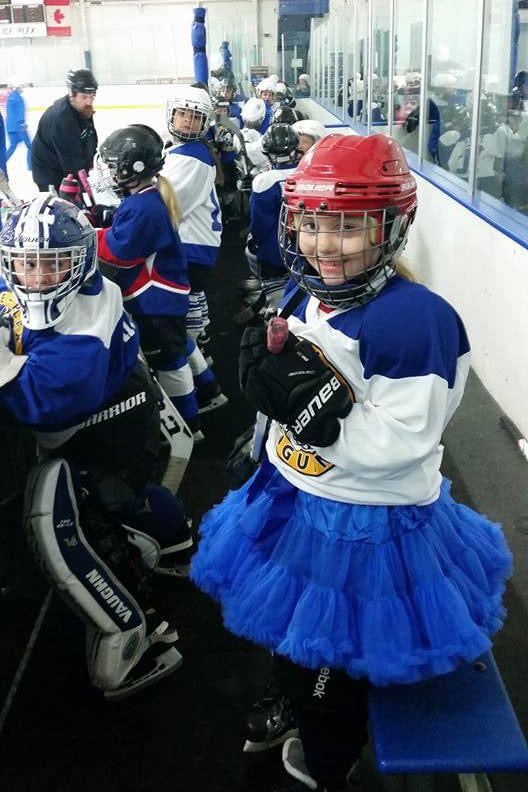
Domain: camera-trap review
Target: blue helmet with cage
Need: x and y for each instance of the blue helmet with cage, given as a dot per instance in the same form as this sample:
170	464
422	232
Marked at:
48	249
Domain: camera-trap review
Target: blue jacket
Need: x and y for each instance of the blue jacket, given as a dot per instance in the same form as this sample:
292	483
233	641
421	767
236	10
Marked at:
15	112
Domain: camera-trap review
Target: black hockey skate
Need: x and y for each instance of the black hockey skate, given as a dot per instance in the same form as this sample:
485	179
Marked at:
210	397
270	722
252	306
250	284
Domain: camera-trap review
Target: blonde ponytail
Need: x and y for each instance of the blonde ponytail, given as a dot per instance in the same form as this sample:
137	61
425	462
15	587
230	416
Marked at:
402	269
170	199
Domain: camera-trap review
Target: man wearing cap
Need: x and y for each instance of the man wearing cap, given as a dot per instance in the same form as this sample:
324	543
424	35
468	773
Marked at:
66	140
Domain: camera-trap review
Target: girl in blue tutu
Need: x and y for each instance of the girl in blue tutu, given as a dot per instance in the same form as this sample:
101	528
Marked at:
345	553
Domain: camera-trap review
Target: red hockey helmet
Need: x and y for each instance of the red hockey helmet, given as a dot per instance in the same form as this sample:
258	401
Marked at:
349	178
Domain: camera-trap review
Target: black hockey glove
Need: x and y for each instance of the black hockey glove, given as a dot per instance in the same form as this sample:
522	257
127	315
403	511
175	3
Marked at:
224	139
294	387
101	216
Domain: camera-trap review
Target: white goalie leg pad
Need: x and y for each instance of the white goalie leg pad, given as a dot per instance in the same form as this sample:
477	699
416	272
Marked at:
162	532
180	440
116	622
161	562
56	538
147	546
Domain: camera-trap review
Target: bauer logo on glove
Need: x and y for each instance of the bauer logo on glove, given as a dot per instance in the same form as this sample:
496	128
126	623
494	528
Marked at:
315	405
295	387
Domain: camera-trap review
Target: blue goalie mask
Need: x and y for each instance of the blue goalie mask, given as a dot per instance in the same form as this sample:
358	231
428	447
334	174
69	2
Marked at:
48	249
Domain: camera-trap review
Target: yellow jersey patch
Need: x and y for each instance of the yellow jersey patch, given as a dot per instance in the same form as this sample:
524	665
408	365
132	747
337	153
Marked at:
8	300
303	460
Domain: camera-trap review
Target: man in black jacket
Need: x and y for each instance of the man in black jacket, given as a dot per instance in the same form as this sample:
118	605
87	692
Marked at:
66	140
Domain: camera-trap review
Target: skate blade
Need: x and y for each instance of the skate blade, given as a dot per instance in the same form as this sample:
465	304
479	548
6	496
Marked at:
165	664
258	747
218	401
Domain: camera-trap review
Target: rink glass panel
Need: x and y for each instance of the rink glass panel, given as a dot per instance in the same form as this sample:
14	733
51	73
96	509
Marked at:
475	149
502	159
408	45
449	104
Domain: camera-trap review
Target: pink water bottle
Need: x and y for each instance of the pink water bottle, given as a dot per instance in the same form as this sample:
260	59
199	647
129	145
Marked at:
277	334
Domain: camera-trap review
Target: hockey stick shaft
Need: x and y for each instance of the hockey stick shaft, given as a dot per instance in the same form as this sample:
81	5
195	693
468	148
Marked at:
85	184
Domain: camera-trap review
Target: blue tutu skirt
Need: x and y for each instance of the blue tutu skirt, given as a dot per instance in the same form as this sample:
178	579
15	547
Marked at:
396	594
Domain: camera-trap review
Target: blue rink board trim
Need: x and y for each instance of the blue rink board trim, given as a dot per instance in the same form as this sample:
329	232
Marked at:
461	722
499	215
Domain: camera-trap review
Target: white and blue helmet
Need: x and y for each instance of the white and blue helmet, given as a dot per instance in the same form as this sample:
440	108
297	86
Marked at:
48	249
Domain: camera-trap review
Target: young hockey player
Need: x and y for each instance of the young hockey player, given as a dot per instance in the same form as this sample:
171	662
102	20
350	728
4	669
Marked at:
265	90
310	132
223	90
227	142
280	145
345	554
151	267
253	115
69	371
190	169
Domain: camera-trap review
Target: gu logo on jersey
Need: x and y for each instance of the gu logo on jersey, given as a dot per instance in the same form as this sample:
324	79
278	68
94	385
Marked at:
316	404
107	593
8	300
304	460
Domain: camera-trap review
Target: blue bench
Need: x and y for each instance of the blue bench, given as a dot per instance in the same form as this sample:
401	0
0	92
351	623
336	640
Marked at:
461	722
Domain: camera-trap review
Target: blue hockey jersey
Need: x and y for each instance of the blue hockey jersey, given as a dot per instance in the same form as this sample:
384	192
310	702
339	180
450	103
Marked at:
264	209
73	367
405	355
267	120
191	170
236	113
146	250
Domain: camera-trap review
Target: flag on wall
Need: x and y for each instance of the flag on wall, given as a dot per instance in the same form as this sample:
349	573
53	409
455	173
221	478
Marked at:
58	17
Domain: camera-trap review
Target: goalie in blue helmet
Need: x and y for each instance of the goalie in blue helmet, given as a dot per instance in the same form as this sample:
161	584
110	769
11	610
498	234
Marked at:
69	370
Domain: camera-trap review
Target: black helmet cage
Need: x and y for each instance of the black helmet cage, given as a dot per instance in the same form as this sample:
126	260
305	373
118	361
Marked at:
384	232
280	144
289	99
284	115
